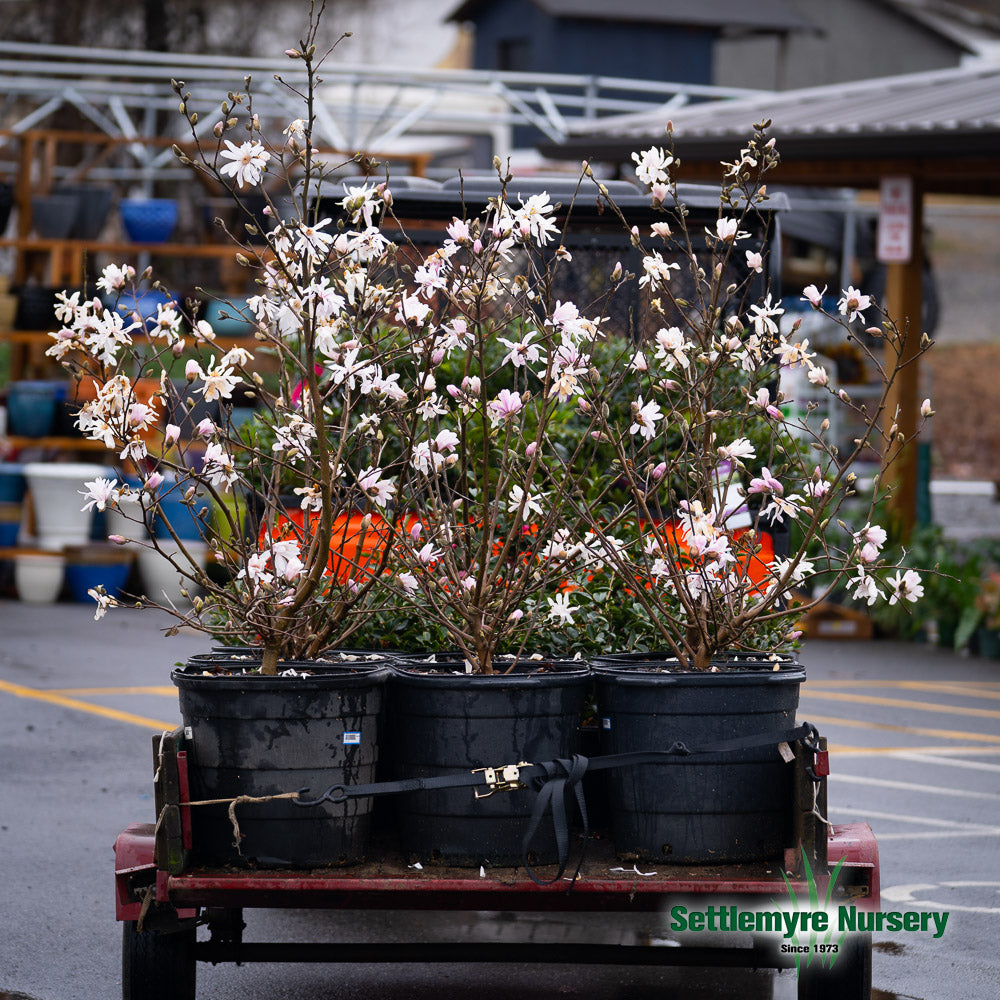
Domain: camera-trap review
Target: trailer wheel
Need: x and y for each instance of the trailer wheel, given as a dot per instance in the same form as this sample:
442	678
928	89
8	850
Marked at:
850	977
157	966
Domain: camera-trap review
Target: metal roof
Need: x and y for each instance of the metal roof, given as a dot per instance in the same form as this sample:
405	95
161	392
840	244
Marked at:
761	15
940	115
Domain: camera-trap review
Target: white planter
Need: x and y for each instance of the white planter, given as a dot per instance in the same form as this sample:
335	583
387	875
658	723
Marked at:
131	527
56	495
160	581
39	578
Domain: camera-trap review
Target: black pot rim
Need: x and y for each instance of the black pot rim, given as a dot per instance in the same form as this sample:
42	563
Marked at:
552	671
663	668
323	675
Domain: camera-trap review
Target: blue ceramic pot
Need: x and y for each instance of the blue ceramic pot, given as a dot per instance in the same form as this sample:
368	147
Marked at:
149	220
145	303
10	522
81	577
225	318
182	518
31	408
12	482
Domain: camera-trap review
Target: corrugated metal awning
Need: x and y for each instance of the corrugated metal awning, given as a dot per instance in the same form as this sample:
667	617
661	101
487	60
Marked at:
849	133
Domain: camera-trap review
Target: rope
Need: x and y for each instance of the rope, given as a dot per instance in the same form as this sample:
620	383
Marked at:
232	803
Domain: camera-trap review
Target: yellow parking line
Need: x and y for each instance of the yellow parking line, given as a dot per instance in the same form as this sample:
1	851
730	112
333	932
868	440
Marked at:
848	751
53	698
920	706
967	689
943	734
70	692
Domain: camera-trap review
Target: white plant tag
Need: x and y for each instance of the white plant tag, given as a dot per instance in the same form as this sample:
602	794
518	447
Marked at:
352	739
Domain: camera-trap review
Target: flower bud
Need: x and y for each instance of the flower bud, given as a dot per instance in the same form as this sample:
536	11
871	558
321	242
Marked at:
192	370
171	434
153	482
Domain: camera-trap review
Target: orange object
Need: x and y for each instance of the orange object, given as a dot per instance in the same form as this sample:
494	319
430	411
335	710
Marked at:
354	546
753	556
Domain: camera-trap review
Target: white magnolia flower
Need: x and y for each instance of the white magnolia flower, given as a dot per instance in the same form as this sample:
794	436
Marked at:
762	318
739	449
813	295
412	310
672	347
517	497
645	417
248	162
818	375
656	271
100	493
726	229
104	601
852	302
219	466
362	203
220	381
505	407
652	166
377	489
905	587
560	609
793	354
523	352
865	588
311	239
114	278
534	219
296	130
427	553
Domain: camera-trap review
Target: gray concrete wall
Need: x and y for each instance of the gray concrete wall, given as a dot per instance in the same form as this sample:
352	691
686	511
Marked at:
860	39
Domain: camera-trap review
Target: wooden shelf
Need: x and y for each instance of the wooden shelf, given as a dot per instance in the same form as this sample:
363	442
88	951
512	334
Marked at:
42	337
66	258
13	551
210	250
56	443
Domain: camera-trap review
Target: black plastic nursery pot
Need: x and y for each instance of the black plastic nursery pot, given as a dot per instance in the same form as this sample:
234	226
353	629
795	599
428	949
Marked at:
725	807
259	736
445	721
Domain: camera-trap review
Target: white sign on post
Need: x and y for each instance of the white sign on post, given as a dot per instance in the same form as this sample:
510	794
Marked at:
895	220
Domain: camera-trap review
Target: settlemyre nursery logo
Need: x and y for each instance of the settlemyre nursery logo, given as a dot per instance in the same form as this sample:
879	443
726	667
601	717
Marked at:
811	929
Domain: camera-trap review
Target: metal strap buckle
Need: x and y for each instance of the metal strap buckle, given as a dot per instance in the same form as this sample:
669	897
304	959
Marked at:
506	778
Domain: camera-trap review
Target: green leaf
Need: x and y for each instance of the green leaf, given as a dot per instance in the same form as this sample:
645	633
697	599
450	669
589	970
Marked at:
968	622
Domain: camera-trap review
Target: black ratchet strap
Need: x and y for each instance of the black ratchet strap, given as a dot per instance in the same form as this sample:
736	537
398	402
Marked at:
557	783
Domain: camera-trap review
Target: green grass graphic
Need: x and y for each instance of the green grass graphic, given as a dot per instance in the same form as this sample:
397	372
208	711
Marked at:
824	958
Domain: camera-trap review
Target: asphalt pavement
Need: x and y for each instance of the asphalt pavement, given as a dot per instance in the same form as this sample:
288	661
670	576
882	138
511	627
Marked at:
915	752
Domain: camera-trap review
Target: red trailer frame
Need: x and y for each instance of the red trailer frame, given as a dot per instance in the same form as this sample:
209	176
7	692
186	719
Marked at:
161	898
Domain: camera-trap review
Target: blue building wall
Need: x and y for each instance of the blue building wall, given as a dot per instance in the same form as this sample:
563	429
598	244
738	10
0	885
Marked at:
536	42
